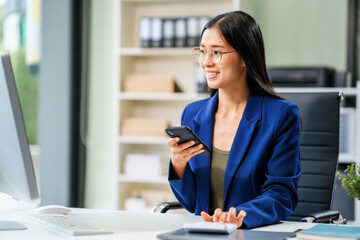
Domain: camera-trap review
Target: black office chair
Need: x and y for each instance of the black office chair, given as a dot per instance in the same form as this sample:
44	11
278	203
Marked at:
319	150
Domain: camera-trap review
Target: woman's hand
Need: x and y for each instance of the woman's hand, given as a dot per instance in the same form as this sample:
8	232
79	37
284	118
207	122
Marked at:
225	217
182	153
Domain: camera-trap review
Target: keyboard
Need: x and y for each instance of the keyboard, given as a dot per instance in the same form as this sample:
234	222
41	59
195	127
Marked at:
68	224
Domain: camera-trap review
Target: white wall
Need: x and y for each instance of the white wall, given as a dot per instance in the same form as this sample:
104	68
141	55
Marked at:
99	182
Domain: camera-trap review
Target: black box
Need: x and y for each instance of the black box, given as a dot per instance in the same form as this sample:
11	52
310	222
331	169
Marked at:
302	77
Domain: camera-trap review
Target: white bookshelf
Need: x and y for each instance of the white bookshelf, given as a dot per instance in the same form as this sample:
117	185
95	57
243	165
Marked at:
130	58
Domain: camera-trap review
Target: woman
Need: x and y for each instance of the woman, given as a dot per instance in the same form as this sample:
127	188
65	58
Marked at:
252	175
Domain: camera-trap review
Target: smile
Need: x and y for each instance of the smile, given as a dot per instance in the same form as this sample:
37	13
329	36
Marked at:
211	74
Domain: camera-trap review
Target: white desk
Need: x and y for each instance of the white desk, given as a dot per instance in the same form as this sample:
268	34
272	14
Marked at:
126	225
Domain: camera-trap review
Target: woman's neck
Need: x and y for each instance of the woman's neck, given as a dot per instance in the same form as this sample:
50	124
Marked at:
233	101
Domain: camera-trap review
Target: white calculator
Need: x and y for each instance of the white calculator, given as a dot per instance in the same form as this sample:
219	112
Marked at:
210	227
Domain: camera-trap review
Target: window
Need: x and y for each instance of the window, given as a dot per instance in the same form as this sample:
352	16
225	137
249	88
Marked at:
20	35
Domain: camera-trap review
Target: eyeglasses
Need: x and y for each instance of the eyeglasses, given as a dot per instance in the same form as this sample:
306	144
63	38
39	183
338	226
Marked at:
216	56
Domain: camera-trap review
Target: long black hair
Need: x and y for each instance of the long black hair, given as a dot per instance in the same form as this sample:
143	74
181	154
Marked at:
243	33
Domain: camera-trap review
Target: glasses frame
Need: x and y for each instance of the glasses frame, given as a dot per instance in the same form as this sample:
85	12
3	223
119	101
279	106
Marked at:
211	55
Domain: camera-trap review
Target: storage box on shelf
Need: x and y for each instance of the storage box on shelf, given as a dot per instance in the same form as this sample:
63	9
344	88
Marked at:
145	83
147	98
153	127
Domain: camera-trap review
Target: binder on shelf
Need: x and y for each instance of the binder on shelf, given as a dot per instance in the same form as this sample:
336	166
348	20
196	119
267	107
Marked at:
202	22
193	32
145	32
180	32
156	32
168	32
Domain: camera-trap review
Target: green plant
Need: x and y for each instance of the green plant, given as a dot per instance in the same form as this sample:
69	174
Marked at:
350	180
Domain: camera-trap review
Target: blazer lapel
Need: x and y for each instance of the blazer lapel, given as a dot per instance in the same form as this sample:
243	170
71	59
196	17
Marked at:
203	127
204	120
251	116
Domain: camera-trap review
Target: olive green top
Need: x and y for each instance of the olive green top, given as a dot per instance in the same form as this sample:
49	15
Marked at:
218	166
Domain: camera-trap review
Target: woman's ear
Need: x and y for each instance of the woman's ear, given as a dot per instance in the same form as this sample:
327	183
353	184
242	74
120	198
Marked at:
243	63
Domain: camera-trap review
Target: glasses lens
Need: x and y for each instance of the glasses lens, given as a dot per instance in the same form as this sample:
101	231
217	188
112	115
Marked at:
216	57
199	55
196	54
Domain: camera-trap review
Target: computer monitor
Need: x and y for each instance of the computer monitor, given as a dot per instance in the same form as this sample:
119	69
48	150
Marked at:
17	176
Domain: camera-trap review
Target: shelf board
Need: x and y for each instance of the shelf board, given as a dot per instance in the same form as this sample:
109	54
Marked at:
142	179
143	140
155	51
161	96
347	91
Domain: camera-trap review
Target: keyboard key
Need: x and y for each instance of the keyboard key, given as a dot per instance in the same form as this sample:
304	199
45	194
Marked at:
68	224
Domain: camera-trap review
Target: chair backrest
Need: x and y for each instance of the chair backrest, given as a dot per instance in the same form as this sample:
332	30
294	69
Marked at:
319	150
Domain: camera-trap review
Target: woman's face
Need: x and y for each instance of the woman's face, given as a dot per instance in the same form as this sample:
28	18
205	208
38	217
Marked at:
230	71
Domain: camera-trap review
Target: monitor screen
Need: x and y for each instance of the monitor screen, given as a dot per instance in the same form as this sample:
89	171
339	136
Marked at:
17	176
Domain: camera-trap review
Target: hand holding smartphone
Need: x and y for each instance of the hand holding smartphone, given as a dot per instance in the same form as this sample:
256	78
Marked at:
186	134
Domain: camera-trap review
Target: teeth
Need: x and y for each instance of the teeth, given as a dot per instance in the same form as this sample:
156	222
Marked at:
210	74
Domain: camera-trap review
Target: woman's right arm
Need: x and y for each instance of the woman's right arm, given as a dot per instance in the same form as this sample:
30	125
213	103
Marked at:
182	153
181	173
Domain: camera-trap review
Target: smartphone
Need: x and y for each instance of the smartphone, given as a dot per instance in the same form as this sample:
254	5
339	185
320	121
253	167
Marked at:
186	134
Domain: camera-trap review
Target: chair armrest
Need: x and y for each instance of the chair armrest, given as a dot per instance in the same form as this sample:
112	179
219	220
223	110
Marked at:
165	206
329	216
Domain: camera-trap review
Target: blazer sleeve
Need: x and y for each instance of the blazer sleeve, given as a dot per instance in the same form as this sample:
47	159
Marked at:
184	189
279	192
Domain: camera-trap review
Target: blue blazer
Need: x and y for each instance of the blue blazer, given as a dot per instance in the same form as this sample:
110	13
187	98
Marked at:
263	168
